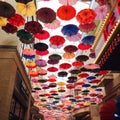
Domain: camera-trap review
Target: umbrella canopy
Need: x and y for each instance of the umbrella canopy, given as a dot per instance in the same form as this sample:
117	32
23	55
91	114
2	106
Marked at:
70	48
82	58
40	63
53	25
46	15
33	27
86	16
70	29
16	20
68	2
65	66
55	57
41	46
62	74
6	10
28	9
66	12
83	46
68	55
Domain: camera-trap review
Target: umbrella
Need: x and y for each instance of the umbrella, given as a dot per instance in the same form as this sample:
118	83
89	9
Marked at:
68	2
42	53
53	25
62	74
41	80
33	73
87	27
92	55
42	71
55	46
101	12
66	12
65	66
61	83
74	71
25	36
30	64
70	48
68	55
3	21
52	69
6	10
55	57
74	38
9	28
83	46
52	62
33	27
43	35
88	39
92	66
77	64
82	58
83	75
23	1
51	80
40	62
69	29
41	46
16	20
101	2
70	86
57	40
28	51
46	15
28	9
51	85
52	76
86	16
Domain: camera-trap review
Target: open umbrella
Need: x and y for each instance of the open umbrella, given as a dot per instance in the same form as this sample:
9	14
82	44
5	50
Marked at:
55	57
62	74
41	46
46	15
52	69
77	64
6	10
68	55
42	53
101	12
3	21
65	66
53	62
66	12
69	29
41	62
86	16
9	28
83	46
70	48
53	25
68	2
74	38
82	58
28	9
57	40
16	20
33	27
89	39
43	35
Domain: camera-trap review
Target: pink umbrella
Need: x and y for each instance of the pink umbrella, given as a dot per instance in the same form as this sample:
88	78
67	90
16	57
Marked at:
101	12
68	2
92	66
74	38
53	25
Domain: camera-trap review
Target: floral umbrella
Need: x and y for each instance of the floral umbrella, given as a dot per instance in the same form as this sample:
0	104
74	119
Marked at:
6	10
28	9
53	25
16	20
68	2
101	12
86	16
66	12
46	15
69	29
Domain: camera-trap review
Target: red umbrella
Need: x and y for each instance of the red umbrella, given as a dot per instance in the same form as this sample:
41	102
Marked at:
42	72
42	35
66	12
103	72
52	69
42	53
87	27
77	64
92	66
16	20
70	86
70	48
51	80
83	46
86	16
65	66
83	75
57	40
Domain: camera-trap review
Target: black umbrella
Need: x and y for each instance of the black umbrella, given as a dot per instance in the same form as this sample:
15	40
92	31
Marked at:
6	10
41	46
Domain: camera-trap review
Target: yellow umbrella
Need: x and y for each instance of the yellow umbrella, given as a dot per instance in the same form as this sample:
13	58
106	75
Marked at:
28	9
61	83
3	21
30	64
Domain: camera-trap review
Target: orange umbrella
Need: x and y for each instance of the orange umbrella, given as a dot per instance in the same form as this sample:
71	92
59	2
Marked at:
68	55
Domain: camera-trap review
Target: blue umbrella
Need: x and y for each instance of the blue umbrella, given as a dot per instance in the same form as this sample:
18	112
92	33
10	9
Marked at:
88	39
70	29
